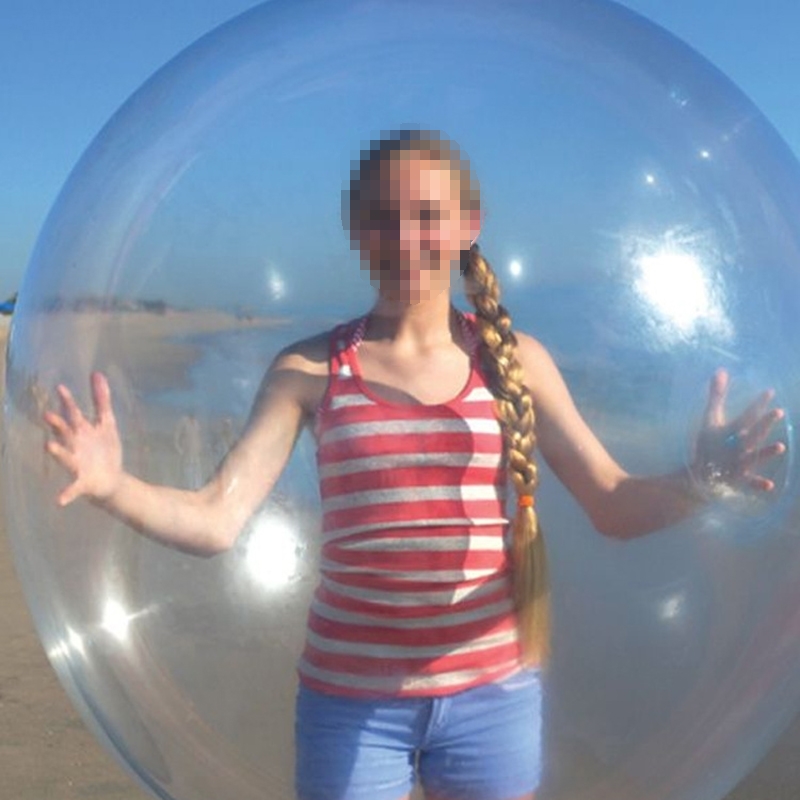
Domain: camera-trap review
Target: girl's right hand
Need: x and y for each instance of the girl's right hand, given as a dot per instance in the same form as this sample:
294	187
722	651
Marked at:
90	451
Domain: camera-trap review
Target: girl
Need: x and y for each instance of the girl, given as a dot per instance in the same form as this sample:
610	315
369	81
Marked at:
429	626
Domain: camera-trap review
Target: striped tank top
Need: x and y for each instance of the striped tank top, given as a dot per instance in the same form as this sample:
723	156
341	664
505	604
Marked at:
415	595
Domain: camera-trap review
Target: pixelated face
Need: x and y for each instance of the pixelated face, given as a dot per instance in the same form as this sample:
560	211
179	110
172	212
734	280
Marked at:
411	227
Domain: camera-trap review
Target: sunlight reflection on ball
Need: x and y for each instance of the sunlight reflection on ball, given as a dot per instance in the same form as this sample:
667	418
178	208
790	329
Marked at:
273	552
645	222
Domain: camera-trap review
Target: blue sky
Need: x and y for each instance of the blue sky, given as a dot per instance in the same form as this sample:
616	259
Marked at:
66	67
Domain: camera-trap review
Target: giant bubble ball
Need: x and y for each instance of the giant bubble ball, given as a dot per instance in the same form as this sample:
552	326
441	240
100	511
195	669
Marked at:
644	222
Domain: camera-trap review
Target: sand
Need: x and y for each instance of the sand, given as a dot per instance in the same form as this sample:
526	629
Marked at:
46	751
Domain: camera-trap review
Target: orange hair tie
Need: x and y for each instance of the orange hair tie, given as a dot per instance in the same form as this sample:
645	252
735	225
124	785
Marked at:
525	501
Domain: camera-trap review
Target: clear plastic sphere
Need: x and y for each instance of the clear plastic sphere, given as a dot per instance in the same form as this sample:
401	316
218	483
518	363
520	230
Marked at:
644	220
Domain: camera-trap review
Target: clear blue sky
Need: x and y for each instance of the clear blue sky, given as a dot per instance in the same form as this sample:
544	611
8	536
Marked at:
65	67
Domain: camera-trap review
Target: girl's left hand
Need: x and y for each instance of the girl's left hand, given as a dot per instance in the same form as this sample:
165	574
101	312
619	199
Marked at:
727	453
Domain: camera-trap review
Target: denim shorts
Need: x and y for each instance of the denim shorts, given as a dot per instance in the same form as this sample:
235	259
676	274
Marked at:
483	743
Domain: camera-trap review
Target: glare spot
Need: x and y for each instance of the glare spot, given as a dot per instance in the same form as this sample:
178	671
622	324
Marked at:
76	642
650	179
272	555
116	620
68	648
677	284
671	609
705	154
674	284
679	97
59	651
515	269
276	285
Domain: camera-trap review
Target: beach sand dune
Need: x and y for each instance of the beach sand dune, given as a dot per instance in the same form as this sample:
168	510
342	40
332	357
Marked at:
46	753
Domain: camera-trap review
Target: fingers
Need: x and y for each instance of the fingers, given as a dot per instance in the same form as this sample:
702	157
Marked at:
72	412
68	424
750	460
755	411
75	436
66	459
70	494
63	455
101	395
761	428
58	425
759	483
717	392
732	452
752	426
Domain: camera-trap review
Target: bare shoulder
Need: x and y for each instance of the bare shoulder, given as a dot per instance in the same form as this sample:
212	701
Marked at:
530	348
549	391
296	378
309	356
538	365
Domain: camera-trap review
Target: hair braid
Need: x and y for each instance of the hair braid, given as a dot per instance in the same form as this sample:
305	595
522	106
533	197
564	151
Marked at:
515	411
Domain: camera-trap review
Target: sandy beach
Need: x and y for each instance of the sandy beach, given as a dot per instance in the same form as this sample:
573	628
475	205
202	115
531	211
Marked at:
47	752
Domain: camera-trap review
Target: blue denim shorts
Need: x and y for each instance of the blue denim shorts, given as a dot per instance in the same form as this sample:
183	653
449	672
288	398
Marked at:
480	744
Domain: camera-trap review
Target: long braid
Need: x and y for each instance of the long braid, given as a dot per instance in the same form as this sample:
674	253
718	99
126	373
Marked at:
517	419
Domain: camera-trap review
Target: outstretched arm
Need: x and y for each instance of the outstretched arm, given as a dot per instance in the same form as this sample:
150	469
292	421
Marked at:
625	506
205	521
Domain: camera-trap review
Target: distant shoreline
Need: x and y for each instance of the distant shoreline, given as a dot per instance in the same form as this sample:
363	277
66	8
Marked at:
153	345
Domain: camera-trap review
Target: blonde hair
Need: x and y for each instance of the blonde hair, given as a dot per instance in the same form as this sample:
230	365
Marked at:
502	369
498	351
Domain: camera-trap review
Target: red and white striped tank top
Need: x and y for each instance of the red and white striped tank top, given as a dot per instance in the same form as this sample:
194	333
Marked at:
415	593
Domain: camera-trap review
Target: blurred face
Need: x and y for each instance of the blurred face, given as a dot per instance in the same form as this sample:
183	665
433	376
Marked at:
412	229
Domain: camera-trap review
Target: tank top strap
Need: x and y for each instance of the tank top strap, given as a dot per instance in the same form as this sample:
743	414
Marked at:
344	340
347	338
469	330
